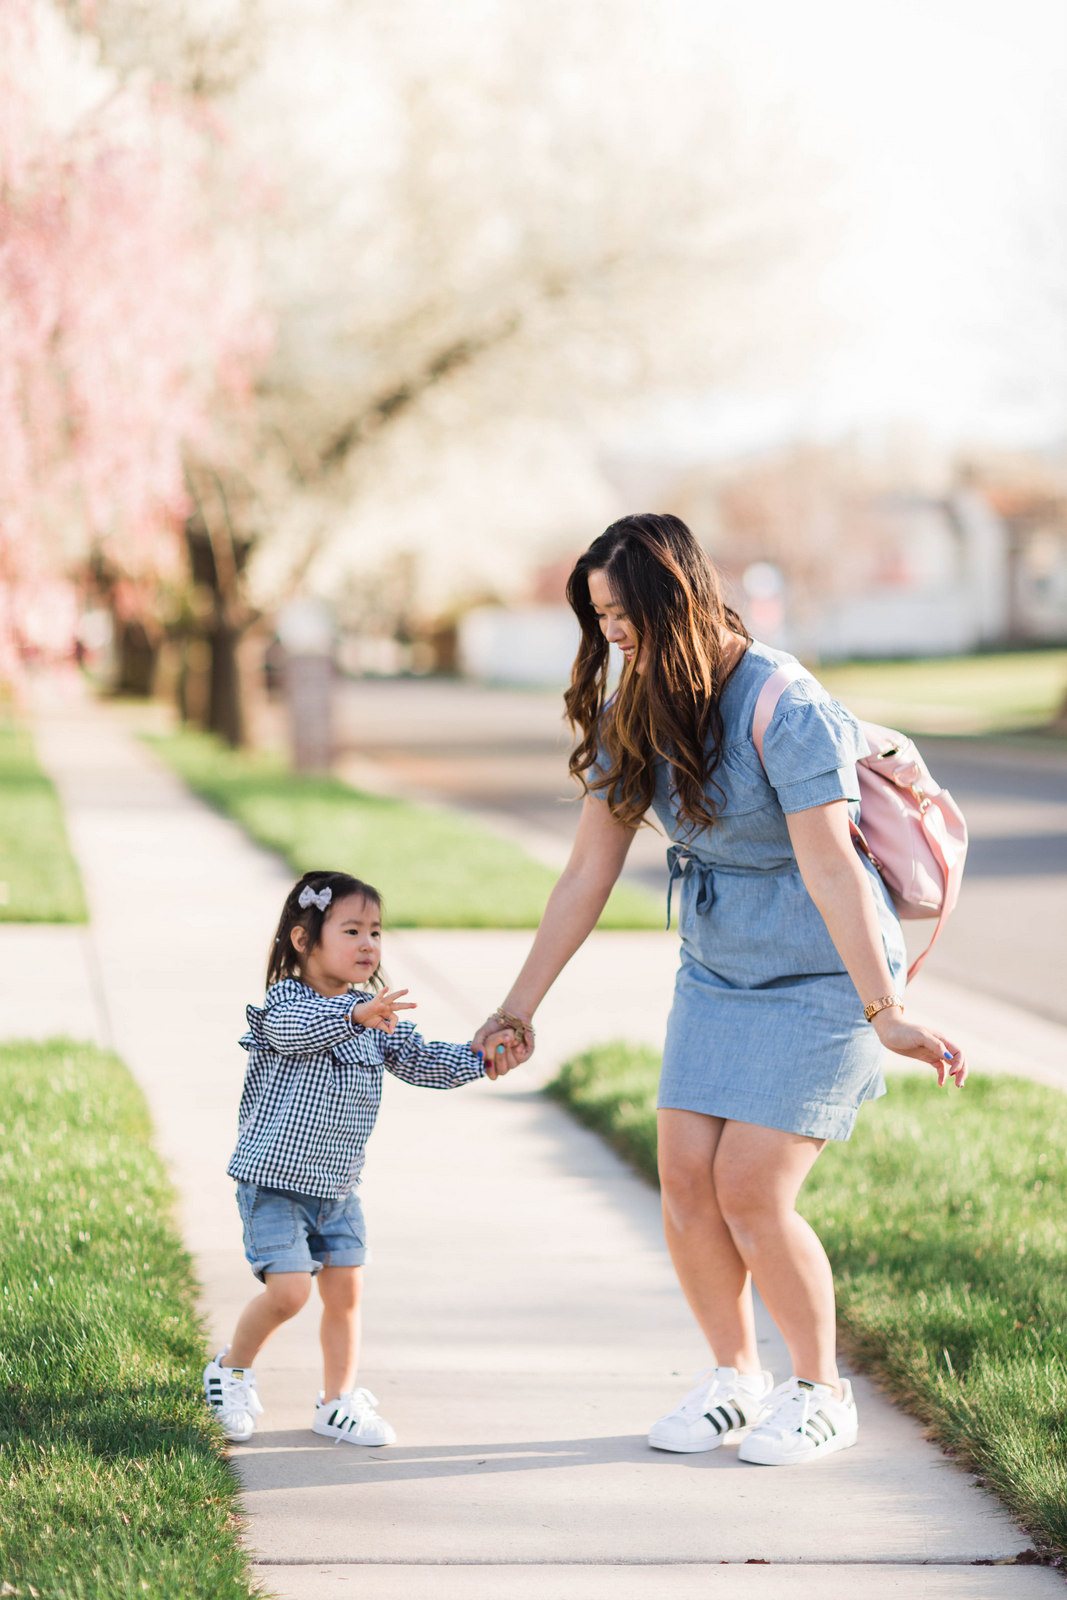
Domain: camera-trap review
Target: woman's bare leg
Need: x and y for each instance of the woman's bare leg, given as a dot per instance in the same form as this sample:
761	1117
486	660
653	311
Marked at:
758	1173
710	1269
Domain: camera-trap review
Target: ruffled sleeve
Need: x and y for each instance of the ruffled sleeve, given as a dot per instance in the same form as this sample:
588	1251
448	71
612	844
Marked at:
811	748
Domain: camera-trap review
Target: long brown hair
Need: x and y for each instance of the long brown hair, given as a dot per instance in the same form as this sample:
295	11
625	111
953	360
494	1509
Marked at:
283	959
671	594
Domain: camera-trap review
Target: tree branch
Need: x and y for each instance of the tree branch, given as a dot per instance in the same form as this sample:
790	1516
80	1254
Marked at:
387	407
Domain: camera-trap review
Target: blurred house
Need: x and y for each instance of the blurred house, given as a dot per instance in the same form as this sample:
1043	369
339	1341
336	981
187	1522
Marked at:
525	646
833	553
931	578
1035	517
871	565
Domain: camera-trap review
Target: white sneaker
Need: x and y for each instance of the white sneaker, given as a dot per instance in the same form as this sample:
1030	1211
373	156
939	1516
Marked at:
723	1403
803	1420
352	1417
231	1394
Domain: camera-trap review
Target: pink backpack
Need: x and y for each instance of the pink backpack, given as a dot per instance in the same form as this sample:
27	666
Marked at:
911	829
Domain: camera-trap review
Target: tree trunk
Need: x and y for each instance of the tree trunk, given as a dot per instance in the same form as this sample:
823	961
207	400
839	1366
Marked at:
136	659
225	714
1059	721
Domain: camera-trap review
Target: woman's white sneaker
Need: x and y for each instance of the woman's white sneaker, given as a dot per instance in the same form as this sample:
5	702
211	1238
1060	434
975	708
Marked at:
231	1393
353	1419
722	1405
804	1420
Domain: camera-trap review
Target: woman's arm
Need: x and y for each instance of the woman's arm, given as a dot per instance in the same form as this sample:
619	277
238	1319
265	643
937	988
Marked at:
571	914
837	881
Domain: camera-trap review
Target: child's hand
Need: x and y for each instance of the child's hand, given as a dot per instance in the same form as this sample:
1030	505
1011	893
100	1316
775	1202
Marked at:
499	1051
381	1012
499	1048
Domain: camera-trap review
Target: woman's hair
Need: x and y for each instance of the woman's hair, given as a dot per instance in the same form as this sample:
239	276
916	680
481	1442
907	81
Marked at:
284	960
669	708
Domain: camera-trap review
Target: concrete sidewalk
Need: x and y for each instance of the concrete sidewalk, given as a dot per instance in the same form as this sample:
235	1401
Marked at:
522	1324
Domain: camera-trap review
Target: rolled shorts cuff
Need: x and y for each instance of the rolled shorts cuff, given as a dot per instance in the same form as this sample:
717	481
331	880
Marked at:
286	1231
306	1261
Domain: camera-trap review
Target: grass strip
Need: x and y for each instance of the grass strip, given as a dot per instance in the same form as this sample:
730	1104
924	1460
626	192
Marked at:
435	869
39	881
1010	692
944	1219
113	1485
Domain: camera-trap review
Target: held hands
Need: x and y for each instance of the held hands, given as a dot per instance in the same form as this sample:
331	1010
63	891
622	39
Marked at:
381	1012
911	1039
500	1048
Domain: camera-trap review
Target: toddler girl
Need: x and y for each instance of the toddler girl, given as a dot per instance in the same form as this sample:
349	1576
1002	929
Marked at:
318	1047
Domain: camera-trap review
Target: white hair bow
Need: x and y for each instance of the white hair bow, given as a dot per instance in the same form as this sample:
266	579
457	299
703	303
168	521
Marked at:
308	897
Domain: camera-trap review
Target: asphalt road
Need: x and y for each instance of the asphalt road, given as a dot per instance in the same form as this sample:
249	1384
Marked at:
505	751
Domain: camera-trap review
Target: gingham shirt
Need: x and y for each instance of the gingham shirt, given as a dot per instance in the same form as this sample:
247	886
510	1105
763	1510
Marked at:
314	1084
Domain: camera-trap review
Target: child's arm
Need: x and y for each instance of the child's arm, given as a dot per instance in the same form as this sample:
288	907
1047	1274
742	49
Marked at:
429	1064
307	1024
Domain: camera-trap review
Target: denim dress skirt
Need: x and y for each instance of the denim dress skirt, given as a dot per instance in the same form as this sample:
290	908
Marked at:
766	1026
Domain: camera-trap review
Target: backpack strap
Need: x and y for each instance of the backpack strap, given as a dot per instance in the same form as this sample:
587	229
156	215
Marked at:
767	704
952	868
769	696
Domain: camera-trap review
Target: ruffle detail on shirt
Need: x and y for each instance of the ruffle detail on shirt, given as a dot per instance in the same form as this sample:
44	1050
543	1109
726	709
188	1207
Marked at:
283	994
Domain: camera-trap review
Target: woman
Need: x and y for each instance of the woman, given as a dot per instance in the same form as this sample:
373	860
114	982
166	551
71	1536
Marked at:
788	934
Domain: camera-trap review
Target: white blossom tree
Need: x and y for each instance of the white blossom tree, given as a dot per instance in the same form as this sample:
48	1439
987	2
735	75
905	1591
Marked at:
491	230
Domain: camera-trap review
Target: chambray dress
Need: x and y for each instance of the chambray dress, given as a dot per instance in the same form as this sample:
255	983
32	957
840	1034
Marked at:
766	1026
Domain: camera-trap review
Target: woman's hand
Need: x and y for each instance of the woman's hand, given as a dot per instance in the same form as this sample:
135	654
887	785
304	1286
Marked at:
500	1048
912	1039
381	1012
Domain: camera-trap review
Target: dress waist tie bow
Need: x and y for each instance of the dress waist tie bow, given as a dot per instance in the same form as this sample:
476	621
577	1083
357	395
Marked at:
683	863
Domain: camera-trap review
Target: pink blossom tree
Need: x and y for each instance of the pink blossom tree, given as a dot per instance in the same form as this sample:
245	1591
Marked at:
130	327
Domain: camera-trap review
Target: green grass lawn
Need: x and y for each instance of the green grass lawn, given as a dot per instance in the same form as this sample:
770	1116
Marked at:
435	869
113	1485
1013	693
39	881
944	1217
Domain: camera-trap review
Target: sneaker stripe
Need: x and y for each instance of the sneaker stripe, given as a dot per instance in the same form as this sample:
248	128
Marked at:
819	1428
727	1421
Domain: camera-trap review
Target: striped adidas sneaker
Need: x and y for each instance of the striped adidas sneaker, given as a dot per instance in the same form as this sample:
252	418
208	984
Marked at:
723	1402
804	1420
231	1394
352	1419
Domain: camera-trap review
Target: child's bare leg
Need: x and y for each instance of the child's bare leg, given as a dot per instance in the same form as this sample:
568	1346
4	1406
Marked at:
284	1293
341	1289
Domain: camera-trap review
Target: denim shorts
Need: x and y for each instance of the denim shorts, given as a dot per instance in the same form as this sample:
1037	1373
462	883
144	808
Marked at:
290	1232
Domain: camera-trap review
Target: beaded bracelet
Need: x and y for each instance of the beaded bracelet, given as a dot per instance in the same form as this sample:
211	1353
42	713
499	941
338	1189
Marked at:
516	1024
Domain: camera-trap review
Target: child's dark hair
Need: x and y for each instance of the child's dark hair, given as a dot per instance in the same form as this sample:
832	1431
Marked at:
284	960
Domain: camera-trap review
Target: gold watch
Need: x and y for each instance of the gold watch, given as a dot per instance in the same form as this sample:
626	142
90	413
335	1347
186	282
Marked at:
887	1000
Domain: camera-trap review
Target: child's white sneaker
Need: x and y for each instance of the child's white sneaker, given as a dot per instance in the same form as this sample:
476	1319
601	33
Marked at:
352	1417
231	1394
803	1420
723	1403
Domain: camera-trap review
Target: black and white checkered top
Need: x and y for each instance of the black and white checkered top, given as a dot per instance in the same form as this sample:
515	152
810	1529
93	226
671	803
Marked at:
314	1084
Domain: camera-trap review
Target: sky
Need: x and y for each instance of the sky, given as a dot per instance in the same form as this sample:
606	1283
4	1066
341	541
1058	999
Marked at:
947	123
